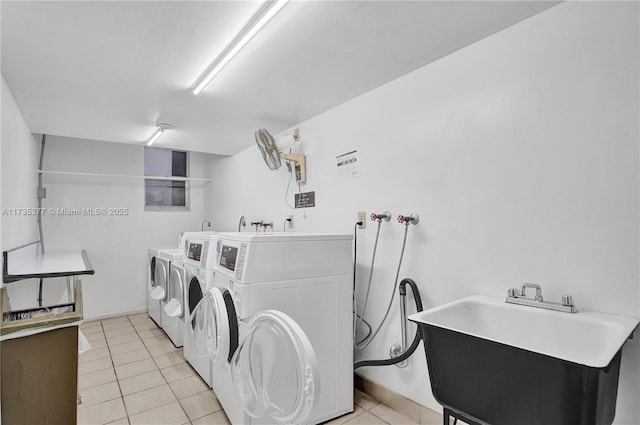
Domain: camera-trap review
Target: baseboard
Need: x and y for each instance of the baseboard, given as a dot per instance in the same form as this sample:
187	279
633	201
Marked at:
414	411
111	316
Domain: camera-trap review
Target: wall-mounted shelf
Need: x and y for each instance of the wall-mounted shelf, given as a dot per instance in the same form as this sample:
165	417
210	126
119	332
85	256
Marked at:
48	265
74	173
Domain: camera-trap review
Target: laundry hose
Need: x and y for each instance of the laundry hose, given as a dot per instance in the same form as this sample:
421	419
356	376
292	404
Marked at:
416	340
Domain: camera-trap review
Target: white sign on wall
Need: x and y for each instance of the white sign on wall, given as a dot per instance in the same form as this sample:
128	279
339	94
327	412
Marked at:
348	164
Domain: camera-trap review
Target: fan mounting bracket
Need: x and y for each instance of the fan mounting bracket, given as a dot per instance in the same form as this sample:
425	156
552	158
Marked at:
300	165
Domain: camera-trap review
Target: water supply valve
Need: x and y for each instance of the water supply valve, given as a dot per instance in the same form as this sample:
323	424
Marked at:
408	219
386	216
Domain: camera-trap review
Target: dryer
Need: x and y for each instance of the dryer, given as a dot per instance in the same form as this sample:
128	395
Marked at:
155	277
279	327
200	270
171	306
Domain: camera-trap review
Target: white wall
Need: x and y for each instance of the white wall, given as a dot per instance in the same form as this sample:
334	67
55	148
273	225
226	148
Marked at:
116	245
520	153
20	152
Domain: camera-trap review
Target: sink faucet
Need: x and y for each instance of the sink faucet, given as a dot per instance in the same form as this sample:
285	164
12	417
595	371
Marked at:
242	223
203	223
515	296
523	290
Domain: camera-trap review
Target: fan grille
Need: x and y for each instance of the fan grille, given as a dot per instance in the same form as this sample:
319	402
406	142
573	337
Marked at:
267	145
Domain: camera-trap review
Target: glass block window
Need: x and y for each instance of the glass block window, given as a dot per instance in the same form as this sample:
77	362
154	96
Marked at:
165	193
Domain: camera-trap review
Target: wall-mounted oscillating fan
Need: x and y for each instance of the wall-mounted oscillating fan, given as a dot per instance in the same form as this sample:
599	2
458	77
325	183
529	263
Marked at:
273	154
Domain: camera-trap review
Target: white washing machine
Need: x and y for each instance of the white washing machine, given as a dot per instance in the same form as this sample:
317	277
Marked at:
200	270
183	239
172	305
155	287
279	327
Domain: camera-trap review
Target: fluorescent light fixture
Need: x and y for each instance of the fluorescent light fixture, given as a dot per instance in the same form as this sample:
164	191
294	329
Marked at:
155	136
258	21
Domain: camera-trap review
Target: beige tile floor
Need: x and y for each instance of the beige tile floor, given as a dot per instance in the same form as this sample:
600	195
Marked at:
134	375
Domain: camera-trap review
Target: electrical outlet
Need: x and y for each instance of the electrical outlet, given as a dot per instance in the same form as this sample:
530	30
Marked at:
362	218
290	222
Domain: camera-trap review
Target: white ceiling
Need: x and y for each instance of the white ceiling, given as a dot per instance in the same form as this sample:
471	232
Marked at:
109	70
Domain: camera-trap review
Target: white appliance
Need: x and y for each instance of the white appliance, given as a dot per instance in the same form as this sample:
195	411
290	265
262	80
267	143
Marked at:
172	306
183	239
200	270
155	276
279	327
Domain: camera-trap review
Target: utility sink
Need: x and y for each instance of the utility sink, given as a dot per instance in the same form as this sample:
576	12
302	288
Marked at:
500	363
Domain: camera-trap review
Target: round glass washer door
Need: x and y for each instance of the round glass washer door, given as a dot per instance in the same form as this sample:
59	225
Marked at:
217	325
275	370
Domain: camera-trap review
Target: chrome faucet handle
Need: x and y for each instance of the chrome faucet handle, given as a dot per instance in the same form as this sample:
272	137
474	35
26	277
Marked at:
567	300
512	292
538	288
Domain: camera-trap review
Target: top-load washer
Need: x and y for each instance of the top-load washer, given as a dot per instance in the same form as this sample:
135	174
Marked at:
172	304
279	327
200	266
156	275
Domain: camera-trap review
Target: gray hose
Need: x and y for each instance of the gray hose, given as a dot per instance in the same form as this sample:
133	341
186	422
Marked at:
363	344
366	297
416	340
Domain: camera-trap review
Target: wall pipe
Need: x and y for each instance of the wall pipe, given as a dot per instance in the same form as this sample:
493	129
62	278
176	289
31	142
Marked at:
42	193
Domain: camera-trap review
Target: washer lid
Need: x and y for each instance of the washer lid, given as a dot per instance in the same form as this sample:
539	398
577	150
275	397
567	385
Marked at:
275	370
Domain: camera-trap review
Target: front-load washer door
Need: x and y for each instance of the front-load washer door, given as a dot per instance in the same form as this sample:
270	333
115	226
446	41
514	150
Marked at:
221	324
211	332
161	275
175	306
275	370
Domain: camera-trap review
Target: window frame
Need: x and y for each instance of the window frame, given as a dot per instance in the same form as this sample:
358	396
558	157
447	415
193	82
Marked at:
187	186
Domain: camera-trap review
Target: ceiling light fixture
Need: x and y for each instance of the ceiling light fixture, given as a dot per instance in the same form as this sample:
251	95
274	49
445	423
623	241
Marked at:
161	127
268	10
155	136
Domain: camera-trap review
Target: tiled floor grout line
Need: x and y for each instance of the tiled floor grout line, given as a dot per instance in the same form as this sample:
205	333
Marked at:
163	377
166	382
126	411
159	369
114	372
